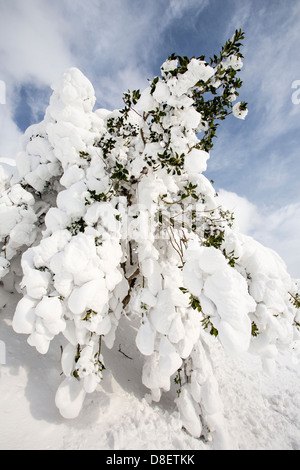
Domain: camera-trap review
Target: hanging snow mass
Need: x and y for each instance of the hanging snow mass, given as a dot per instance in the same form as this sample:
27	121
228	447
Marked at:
111	215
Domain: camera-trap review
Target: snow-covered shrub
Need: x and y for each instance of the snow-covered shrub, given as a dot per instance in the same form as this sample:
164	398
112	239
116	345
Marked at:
119	218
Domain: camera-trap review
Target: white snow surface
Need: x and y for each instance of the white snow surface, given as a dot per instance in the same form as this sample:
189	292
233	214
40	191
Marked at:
262	412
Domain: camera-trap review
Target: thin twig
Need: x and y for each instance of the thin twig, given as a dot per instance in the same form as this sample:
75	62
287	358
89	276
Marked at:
132	109
178	250
128	357
100	342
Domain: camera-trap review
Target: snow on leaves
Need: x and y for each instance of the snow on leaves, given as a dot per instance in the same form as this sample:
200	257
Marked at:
114	216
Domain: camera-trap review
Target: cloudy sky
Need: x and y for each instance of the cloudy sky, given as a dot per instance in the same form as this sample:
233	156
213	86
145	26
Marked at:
118	44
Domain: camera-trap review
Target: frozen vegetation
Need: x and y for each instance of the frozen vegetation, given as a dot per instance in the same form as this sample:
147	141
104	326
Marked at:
112	235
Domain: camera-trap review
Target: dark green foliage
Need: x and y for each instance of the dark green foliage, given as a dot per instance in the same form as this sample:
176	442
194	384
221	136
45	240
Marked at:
85	156
295	299
77	226
215	103
254	329
178	381
120	172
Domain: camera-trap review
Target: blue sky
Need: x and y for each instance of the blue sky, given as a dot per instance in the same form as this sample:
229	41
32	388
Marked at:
118	44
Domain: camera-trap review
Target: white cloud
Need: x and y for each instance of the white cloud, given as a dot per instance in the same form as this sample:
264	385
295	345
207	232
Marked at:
246	213
260	157
10	136
280	230
32	43
110	90
32	51
40	39
271	63
177	9
275	228
114	42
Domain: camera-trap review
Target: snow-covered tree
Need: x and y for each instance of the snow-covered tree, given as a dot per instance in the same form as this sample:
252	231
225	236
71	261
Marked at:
112	215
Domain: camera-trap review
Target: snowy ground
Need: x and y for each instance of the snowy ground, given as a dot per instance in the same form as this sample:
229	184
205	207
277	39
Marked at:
262	412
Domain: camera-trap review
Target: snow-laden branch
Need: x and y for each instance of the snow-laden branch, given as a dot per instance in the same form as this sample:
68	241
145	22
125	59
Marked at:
112	215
